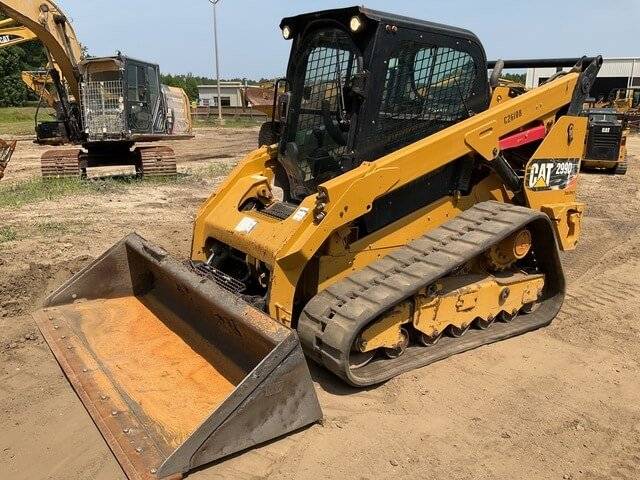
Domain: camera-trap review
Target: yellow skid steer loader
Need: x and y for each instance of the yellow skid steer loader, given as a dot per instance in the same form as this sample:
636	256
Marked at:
410	210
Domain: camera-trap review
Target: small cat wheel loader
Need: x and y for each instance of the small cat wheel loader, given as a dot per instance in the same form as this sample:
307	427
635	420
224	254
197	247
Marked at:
408	212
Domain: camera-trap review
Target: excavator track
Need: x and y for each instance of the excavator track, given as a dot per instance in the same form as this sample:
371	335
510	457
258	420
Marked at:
61	163
156	162
333	319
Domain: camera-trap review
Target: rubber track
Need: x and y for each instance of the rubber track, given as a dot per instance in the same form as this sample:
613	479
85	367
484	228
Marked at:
157	162
61	163
333	319
621	168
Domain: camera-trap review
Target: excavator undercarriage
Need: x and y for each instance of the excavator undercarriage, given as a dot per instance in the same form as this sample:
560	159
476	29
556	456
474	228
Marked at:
408	211
148	162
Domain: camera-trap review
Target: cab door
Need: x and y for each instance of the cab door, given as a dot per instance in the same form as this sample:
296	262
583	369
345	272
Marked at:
143	95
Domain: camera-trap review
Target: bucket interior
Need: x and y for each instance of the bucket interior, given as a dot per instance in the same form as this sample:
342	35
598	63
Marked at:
162	358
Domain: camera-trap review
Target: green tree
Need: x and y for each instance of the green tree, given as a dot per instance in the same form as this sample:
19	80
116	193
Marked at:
12	91
515	77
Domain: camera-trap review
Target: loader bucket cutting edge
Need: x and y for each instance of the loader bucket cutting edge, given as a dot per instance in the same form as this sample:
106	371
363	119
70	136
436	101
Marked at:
175	371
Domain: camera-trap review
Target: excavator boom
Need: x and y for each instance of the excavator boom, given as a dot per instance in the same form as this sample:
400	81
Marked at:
12	34
50	25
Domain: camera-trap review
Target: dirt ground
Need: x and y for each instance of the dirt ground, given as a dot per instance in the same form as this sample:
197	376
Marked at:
559	403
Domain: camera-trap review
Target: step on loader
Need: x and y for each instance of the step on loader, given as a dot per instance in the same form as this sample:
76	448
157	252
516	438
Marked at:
408	211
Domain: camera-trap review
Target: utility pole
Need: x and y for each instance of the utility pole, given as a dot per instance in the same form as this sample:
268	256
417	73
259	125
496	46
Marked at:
215	38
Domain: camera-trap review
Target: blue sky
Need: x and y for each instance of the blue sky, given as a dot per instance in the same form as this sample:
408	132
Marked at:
181	39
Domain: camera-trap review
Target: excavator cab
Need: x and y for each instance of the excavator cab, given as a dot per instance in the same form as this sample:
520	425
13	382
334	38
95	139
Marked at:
121	100
121	97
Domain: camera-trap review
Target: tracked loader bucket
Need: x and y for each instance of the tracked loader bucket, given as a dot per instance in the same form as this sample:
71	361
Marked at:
175	371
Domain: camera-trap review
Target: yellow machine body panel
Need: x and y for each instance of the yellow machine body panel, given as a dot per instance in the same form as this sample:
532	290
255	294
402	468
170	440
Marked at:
12	34
286	246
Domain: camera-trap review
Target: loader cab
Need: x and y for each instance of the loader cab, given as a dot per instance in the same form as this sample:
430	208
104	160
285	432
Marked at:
121	99
363	84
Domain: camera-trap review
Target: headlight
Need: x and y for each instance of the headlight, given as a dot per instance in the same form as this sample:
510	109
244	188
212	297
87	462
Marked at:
286	32
356	24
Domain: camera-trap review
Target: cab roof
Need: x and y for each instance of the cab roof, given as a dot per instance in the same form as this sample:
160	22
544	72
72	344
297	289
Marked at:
344	15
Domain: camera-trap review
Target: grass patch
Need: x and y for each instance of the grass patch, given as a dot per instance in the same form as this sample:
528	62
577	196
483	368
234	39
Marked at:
218	169
240	122
37	190
20	128
33	191
21	120
53	229
7	234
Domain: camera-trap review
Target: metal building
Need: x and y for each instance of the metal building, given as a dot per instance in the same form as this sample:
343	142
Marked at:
616	73
230	94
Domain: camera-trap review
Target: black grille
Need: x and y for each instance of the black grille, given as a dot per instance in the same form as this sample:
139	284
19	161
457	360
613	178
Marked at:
603	145
279	210
223	280
426	90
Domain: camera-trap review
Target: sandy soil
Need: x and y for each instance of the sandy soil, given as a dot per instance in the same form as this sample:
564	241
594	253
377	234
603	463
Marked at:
559	403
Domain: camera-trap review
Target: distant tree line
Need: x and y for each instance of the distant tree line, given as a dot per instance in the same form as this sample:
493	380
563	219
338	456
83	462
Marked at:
189	82
13	60
515	77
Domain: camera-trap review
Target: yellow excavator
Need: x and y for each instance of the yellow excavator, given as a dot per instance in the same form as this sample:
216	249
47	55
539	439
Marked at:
105	105
409	211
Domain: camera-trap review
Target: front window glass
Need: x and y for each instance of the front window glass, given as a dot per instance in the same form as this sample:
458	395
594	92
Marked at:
318	119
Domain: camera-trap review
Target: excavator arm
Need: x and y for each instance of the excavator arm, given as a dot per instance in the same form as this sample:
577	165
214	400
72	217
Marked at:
47	22
39	83
12	34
